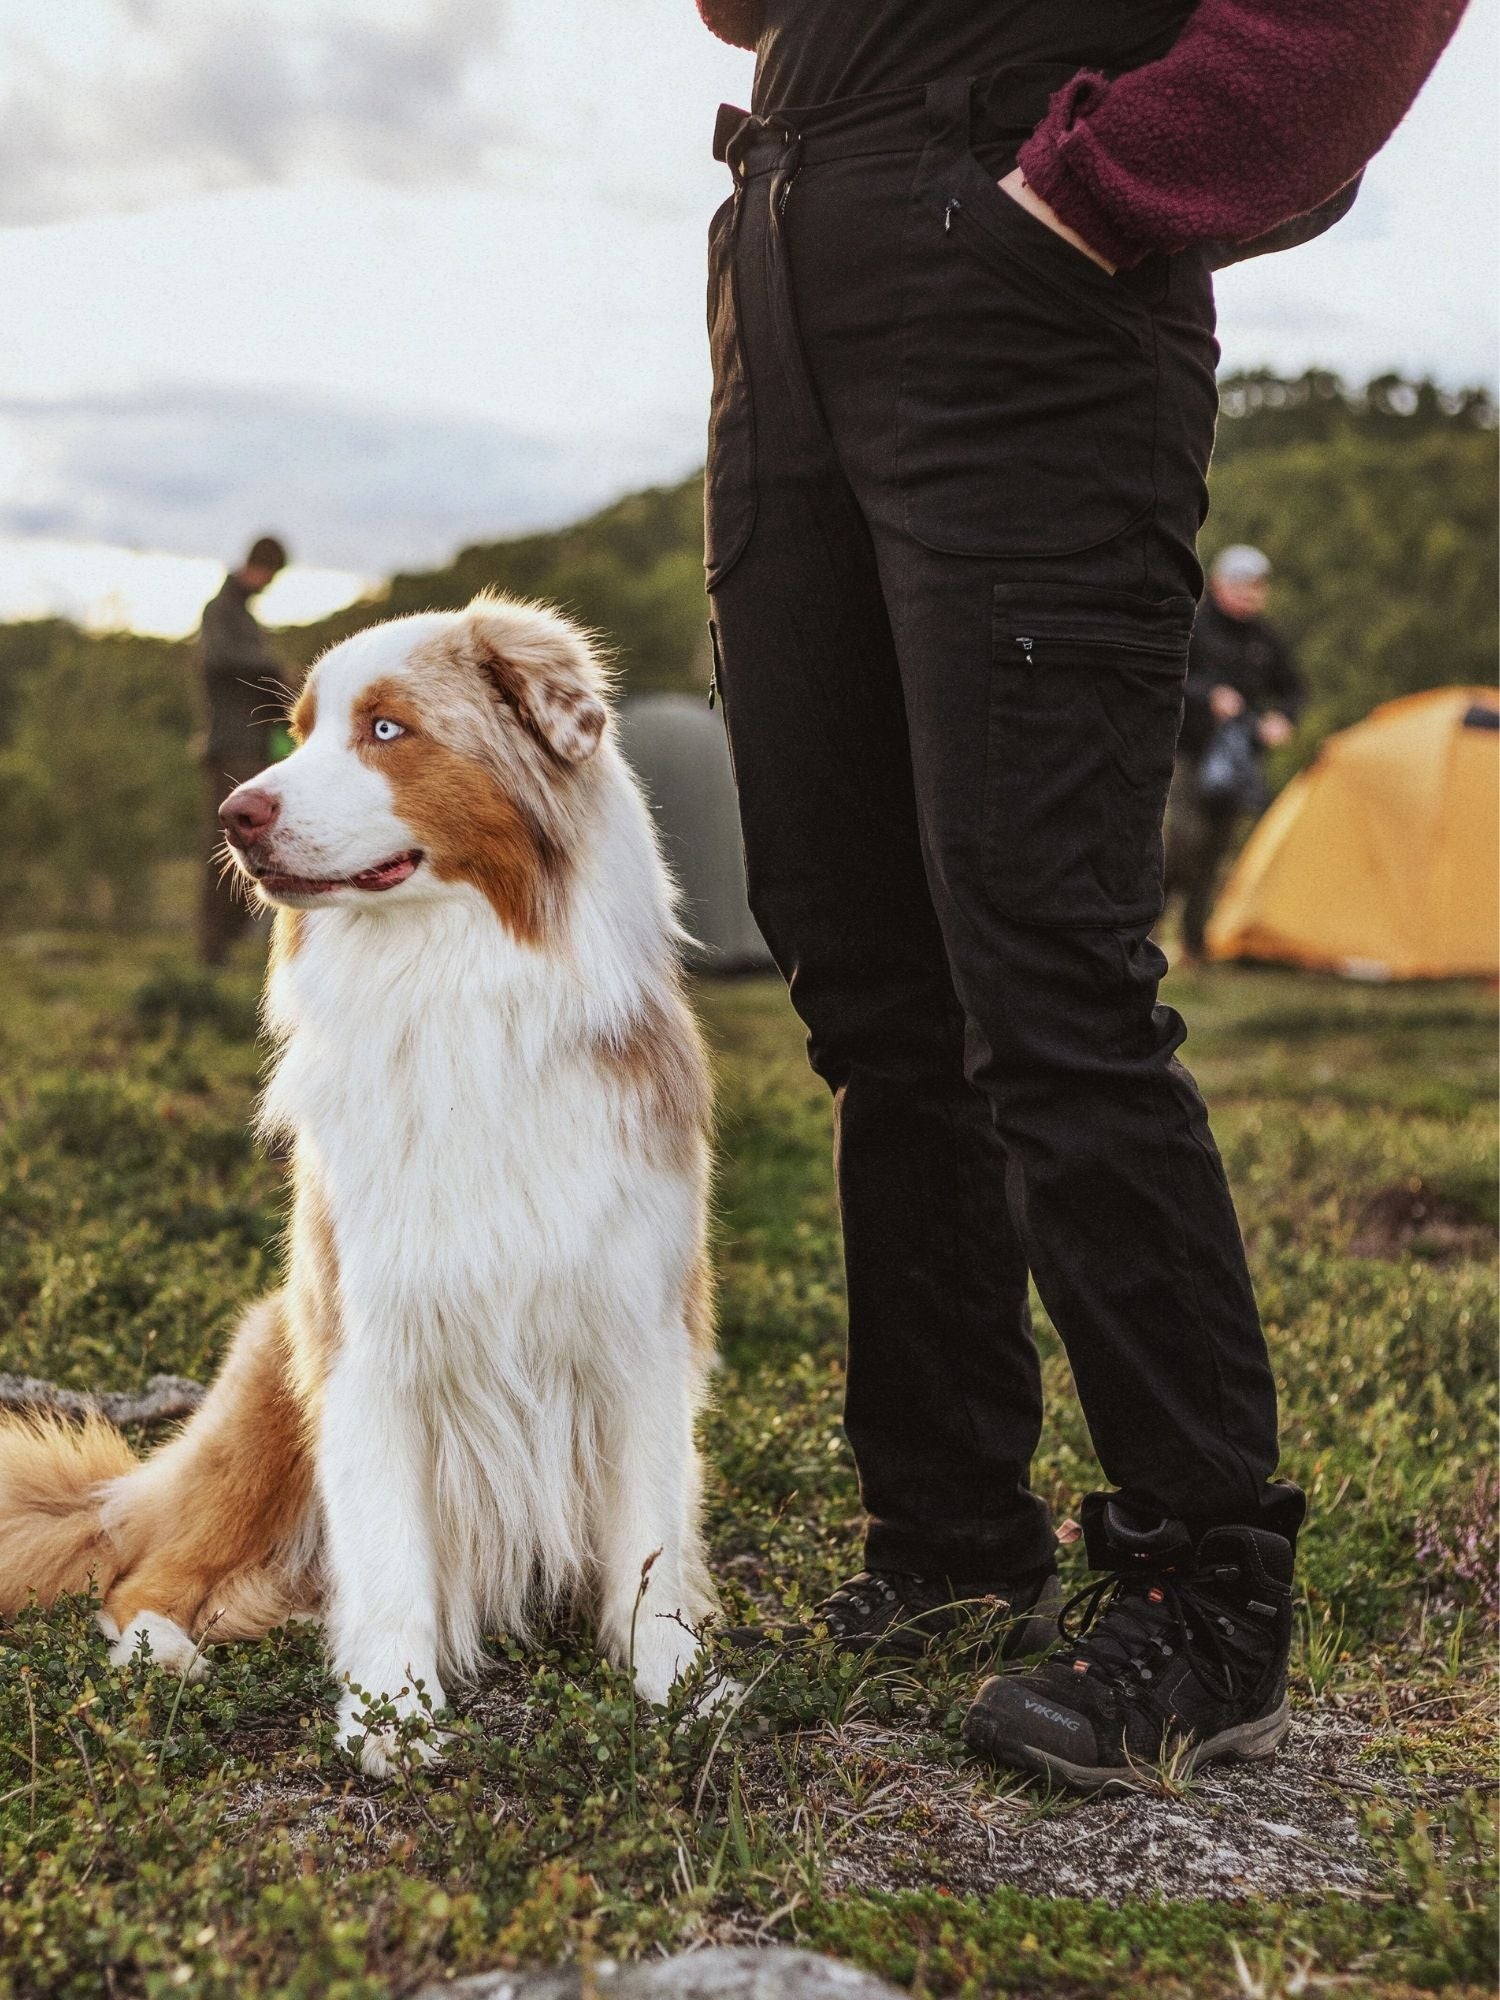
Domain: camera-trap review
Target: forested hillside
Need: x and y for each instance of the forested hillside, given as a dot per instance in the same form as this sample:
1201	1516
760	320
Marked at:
633	572
1380	517
1378	507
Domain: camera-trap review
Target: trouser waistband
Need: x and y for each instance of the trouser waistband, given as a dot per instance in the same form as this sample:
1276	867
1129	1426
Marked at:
1003	106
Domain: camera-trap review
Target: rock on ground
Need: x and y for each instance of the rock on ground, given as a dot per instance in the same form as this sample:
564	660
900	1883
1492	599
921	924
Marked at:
164	1399
721	1973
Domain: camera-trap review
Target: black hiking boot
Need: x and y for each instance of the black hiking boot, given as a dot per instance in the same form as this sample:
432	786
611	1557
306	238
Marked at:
898	1616
1177	1656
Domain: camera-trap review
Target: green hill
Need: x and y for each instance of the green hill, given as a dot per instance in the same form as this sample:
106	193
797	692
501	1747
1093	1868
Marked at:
1378	508
633	572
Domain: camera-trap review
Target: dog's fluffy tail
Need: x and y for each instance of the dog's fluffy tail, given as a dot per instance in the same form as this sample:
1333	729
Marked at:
52	1479
215	1532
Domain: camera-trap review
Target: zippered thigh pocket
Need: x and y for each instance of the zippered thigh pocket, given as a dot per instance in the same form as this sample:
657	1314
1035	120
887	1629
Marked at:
1085	704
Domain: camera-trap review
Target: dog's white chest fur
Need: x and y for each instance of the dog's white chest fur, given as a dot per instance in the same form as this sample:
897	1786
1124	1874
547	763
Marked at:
466	1149
511	1257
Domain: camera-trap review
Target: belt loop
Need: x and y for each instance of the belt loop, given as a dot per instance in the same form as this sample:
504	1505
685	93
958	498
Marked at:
950	108
727	125
738	133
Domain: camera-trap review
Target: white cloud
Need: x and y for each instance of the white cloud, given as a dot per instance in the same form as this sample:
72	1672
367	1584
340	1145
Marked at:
199	468
147	100
395	274
1407	280
141	590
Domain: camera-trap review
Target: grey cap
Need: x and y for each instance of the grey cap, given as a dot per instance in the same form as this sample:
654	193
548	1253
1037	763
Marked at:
1241	564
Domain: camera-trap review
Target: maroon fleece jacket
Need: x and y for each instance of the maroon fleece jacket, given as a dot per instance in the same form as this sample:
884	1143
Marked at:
1260	111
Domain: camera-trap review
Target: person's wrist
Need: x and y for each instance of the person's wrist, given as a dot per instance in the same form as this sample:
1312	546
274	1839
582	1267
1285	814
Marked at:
1020	190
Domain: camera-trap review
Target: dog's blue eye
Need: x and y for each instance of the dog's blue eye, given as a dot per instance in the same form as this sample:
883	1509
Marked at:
387	731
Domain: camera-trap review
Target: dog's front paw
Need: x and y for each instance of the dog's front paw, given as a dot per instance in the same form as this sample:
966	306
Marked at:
161	1639
382	1754
370	1732
717	1692
662	1657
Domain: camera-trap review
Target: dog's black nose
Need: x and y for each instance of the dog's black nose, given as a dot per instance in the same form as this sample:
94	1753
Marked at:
248	815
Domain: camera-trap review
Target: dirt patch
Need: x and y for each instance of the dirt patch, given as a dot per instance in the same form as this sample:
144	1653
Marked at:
1272	1829
884	1817
1411	1218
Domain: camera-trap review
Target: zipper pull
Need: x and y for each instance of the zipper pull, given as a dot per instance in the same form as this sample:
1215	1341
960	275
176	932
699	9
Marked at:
953	203
713	672
1026	646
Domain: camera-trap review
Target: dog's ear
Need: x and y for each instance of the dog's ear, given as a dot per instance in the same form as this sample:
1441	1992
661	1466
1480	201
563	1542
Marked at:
543	667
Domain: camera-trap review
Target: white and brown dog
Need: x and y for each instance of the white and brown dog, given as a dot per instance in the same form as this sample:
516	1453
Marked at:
473	1399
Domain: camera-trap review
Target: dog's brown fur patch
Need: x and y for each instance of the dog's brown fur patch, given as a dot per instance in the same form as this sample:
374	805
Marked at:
660	1065
199	1534
214	1530
472	825
51	1538
542	667
659	1062
314	1322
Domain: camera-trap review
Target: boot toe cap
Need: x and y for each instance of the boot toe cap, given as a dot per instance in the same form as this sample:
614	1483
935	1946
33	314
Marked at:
1008	1719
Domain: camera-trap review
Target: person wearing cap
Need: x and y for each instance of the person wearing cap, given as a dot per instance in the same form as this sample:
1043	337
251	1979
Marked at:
242	700
961	318
1242	697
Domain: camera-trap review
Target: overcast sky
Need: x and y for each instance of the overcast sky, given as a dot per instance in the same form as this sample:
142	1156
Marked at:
390	275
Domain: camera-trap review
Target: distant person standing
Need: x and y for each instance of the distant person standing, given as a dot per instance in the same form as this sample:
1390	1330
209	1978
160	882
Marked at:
243	698
1242	697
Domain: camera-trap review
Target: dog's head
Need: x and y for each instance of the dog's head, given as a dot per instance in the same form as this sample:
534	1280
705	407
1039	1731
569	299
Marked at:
439	755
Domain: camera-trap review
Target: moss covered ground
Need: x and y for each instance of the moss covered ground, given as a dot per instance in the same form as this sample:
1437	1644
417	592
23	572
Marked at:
209	1840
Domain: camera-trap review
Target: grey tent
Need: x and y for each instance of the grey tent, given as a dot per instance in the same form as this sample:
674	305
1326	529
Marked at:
676	746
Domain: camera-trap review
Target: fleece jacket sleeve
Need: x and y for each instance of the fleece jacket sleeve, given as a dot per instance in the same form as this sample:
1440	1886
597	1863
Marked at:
1260	111
736	21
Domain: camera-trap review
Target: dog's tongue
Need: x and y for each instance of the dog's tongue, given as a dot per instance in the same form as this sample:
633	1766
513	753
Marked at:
387	874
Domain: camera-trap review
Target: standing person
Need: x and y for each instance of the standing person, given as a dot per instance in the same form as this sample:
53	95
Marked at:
243	699
1242	697
961	313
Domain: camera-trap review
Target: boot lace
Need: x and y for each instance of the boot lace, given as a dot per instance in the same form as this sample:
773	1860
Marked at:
1127	1625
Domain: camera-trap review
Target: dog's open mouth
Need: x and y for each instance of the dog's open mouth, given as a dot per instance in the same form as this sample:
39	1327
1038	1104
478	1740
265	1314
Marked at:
384	875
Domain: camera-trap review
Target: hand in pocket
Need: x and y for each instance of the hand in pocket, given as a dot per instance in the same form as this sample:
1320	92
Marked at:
1020	190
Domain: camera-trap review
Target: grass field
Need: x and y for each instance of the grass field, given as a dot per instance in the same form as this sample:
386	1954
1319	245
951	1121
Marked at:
209	1840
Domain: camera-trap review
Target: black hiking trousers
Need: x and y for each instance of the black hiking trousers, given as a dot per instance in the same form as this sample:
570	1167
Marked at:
955	477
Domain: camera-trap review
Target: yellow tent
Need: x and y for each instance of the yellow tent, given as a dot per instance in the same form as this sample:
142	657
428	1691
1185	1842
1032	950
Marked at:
1382	859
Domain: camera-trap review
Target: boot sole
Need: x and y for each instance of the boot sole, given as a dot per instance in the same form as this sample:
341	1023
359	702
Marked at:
1250	1742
